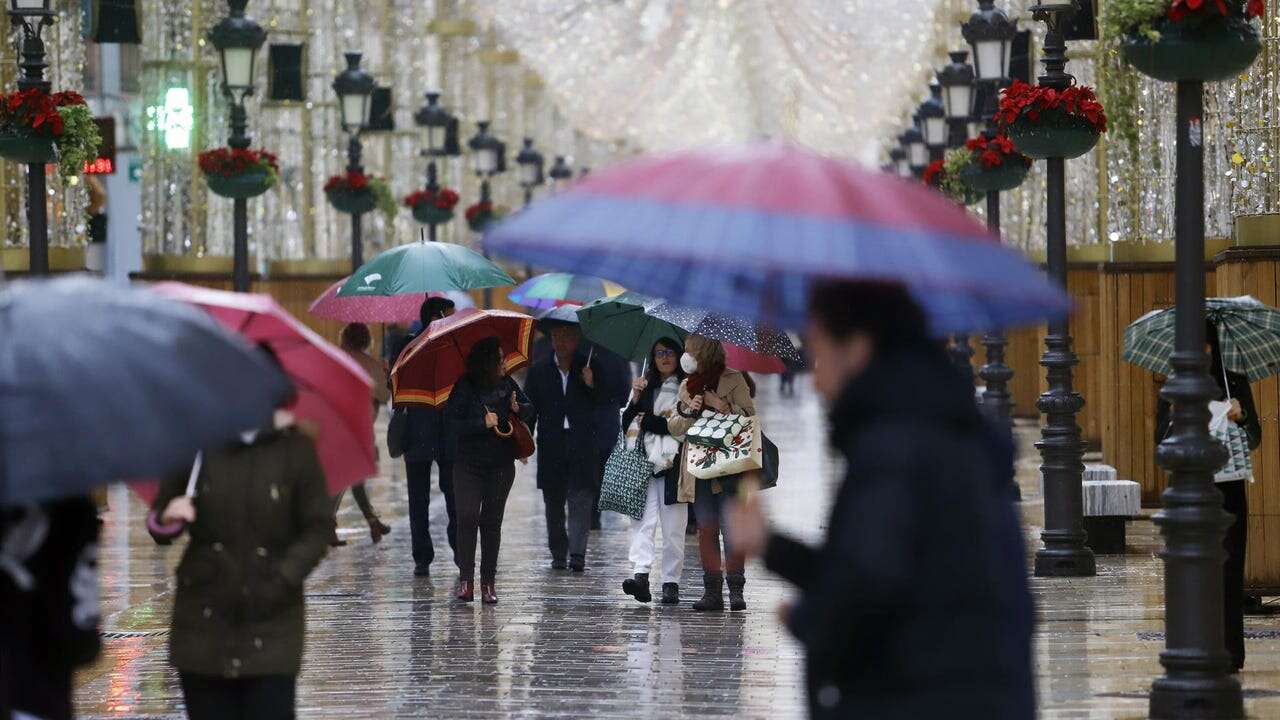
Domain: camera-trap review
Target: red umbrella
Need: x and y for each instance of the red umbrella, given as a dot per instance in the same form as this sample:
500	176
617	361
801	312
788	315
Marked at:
739	358
333	392
377	308
436	359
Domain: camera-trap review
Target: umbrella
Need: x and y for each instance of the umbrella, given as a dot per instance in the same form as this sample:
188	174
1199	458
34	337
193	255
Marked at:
1248	333
100	383
621	324
727	329
436	359
556	289
423	267
333	392
748	229
739	358
562	314
378	308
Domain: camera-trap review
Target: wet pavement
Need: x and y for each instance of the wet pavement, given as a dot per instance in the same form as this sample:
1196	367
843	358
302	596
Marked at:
383	644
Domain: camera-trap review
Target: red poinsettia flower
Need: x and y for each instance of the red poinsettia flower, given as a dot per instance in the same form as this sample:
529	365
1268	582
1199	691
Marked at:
484	207
441	198
1255	8
229	162
1021	100
933	173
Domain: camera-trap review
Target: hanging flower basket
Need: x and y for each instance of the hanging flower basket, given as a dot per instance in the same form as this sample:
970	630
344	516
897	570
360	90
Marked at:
945	177
1045	122
1186	50
1056	135
356	193
352	202
432	207
239	173
994	165
40	128
27	149
481	215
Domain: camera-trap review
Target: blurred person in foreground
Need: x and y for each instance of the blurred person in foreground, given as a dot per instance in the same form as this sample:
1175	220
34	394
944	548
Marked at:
356	341
917	603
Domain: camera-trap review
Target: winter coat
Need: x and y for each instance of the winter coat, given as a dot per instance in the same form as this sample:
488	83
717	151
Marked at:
263	522
733	389
477	444
427	435
654	424
559	449
916	605
613	387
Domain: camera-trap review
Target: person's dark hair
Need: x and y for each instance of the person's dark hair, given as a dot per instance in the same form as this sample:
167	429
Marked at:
433	308
884	311
484	363
356	336
652	375
274	359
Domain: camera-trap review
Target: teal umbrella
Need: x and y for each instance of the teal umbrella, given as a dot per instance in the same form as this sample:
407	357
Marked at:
423	268
1248	332
622	324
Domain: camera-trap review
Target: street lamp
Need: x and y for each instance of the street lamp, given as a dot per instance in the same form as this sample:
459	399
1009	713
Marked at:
488	157
237	38
561	174
1065	552
33	16
530	162
933	122
958	95
441	129
917	151
898	160
355	98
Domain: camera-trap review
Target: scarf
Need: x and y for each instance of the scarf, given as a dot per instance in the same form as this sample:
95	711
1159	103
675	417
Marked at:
662	449
704	380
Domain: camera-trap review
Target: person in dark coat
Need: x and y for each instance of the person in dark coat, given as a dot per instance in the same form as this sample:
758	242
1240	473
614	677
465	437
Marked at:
566	406
481	409
1235	493
427	441
916	605
613	385
260	522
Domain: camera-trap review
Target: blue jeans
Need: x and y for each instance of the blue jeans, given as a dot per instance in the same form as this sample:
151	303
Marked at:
419	482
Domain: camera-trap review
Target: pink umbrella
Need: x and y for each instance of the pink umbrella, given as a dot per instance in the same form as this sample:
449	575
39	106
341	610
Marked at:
740	358
378	308
333	391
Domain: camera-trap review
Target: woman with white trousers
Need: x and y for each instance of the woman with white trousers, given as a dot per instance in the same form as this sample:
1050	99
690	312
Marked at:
653	401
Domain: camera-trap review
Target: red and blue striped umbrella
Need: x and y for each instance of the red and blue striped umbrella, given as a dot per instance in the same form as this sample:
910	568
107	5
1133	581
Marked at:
550	290
748	229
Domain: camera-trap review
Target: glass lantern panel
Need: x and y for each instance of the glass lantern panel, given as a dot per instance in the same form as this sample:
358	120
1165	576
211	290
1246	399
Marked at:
28	5
935	131
435	138
238	65
904	168
355	110
959	101
486	161
919	154
991	58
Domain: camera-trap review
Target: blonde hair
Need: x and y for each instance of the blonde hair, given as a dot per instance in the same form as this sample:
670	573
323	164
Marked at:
709	353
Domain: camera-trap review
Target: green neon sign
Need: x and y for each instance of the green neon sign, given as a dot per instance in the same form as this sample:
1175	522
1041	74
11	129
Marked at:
174	120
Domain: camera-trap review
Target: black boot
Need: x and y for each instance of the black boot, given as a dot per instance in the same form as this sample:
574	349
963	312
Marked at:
713	599
638	587
737	581
670	594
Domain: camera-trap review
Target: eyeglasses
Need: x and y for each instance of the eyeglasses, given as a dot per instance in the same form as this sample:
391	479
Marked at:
664	353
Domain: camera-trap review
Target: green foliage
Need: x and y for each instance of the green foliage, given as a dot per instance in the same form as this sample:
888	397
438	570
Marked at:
382	195
1120	17
950	183
79	141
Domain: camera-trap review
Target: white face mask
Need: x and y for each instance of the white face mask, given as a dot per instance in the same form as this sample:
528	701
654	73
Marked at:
689	364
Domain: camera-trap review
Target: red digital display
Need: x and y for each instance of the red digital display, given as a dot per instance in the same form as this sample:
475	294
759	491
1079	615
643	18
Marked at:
100	166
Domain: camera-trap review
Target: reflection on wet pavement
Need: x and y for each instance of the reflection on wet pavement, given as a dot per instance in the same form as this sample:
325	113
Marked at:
382	644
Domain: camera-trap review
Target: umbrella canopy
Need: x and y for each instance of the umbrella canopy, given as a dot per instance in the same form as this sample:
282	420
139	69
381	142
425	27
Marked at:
727	329
563	314
100	383
1248	333
430	365
378	308
333	392
620	324
555	289
747	230
739	358
423	267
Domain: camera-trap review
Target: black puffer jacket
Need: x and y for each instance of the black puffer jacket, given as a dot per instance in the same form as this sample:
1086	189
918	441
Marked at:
477	444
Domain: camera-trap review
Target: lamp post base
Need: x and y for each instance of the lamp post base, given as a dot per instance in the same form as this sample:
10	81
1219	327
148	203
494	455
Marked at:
1209	698
1065	563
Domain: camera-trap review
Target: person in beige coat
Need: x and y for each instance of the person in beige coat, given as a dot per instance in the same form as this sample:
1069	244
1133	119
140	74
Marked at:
711	386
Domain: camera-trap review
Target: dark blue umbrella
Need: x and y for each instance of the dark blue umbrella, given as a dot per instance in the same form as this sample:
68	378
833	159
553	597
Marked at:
727	329
99	384
747	230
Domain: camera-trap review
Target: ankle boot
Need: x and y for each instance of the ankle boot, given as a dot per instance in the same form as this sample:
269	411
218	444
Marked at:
737	581
713	599
638	587
670	594
466	590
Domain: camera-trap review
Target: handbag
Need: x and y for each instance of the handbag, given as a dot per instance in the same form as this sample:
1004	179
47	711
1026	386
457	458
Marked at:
743	453
1239	465
715	430
769	454
625	487
398	432
522	438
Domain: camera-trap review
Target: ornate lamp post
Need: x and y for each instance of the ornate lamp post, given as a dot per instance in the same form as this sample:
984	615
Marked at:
561	174
917	151
933	122
530	162
33	16
441	129
237	38
1065	552
488	155
355	92
898	160
955	84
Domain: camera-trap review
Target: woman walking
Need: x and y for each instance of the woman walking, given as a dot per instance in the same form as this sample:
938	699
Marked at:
1233	388
481	409
653	403
356	341
712	386
260	521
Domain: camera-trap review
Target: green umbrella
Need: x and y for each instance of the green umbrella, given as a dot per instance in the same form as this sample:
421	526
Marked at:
423	268
620	324
1248	332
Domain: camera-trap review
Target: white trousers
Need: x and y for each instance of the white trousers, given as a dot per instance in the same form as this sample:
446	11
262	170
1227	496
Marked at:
673	519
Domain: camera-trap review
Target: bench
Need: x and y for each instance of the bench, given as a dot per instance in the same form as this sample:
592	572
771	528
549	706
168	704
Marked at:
1108	504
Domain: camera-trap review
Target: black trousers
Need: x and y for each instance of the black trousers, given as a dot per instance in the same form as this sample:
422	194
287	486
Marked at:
480	494
269	697
419	482
1235	500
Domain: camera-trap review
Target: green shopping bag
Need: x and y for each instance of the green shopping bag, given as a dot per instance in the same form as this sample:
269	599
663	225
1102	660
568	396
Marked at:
626	480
